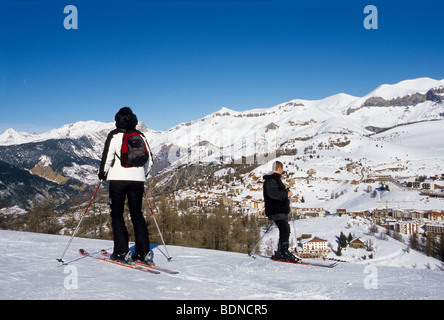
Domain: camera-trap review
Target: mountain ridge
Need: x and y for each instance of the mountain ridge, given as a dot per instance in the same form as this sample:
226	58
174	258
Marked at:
385	91
342	124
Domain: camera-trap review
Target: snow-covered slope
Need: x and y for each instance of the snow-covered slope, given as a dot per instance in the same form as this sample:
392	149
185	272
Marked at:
404	88
29	270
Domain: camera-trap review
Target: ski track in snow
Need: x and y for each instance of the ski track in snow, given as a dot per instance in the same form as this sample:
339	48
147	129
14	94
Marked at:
29	270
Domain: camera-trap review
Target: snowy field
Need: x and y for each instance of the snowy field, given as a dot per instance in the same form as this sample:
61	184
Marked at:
29	271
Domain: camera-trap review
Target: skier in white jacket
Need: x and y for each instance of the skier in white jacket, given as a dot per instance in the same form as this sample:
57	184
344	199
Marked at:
125	183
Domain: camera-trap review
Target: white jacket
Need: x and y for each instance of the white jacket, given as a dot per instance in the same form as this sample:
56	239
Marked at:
112	163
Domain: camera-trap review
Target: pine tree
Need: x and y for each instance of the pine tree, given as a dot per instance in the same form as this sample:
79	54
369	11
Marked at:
167	220
253	227
414	241
350	237
339	251
430	245
43	218
441	247
238	238
343	240
217	230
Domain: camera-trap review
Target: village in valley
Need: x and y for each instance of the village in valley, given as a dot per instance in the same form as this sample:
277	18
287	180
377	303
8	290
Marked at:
242	194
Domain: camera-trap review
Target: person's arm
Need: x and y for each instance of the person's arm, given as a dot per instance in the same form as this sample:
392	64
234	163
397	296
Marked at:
107	156
272	190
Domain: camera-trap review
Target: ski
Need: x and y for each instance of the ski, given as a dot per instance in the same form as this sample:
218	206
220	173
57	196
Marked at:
306	263
157	268
301	262
140	264
131	266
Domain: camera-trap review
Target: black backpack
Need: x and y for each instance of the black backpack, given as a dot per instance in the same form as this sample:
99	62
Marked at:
134	152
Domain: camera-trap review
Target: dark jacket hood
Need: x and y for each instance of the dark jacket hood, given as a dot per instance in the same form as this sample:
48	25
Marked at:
127	122
272	175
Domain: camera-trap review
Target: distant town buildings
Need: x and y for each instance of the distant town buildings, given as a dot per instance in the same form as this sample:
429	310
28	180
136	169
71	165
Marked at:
245	197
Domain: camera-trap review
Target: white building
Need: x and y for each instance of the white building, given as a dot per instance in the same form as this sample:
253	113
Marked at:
406	227
314	248
435	228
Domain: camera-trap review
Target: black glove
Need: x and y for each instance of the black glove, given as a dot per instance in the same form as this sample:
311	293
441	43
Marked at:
102	175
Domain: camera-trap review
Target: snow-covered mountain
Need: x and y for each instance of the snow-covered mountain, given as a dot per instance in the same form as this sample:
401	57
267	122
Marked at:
92	129
30	271
394	126
231	134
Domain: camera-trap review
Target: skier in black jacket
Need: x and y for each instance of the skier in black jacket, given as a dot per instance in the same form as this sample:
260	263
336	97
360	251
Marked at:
277	207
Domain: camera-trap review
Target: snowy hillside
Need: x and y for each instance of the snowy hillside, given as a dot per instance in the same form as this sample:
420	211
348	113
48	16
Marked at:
30	271
392	131
230	134
233	134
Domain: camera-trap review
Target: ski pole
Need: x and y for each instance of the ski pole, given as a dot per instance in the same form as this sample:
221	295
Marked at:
266	231
78	225
158	229
294	228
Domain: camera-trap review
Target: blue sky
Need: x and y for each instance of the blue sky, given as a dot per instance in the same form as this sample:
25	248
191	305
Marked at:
177	61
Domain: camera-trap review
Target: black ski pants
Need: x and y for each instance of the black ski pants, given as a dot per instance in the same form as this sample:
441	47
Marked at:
133	190
284	232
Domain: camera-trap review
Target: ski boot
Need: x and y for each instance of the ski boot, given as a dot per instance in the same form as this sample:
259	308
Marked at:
147	260
122	258
282	254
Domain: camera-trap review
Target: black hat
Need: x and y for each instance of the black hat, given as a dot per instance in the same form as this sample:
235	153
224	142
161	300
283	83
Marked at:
126	119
